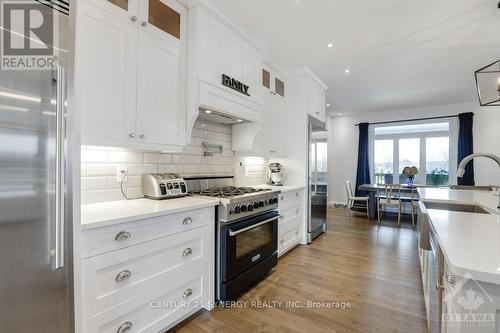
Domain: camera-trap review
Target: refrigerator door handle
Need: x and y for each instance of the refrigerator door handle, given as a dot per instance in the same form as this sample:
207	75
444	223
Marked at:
60	191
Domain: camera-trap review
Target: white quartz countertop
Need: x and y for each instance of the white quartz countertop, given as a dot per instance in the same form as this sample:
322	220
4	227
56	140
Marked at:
470	242
283	188
108	213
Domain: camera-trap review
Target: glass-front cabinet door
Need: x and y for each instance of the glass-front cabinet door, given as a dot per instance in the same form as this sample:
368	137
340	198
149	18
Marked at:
273	83
165	19
127	10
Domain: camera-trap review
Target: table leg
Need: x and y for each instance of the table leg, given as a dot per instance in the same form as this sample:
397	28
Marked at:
373	206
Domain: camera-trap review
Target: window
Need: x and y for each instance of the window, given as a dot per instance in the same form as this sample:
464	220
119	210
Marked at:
424	145
384	161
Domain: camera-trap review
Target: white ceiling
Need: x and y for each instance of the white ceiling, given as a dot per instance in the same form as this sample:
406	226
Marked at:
401	54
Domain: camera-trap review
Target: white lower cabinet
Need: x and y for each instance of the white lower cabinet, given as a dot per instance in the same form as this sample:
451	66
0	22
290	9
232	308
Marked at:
151	285
291	221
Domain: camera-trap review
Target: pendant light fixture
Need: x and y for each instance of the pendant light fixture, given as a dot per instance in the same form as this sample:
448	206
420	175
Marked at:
488	84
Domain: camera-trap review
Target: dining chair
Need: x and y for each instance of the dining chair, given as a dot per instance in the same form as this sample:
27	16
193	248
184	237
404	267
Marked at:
410	196
388	195
351	199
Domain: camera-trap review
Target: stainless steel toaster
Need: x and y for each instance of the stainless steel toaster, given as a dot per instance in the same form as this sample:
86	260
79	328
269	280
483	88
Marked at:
163	186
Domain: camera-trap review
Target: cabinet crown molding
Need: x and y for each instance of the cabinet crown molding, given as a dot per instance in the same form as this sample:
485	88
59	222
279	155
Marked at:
306	71
236	26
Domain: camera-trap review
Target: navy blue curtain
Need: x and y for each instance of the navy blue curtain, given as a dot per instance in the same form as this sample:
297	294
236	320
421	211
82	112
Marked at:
466	147
363	173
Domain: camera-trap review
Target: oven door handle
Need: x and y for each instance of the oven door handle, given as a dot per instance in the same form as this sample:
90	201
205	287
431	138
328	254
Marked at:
237	232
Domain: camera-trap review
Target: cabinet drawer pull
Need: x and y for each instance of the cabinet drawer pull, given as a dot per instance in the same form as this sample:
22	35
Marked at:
187	293
133	18
123	275
142	136
132	135
187	221
123	236
144	23
297	211
297	194
124	327
187	252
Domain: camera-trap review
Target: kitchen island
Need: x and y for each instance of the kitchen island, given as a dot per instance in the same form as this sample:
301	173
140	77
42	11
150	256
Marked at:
461	272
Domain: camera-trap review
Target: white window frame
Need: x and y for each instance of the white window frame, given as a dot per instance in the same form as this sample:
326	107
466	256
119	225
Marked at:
453	148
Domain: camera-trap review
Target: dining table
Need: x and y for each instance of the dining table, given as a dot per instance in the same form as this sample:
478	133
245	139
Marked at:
372	189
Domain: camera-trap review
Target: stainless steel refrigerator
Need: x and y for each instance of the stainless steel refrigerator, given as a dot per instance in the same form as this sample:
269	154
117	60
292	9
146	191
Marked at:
35	199
317	173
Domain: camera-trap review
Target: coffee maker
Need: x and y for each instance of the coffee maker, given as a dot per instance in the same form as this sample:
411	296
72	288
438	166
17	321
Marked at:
276	176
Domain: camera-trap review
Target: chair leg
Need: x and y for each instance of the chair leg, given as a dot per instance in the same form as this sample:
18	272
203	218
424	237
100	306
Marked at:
412	216
368	209
379	212
399	214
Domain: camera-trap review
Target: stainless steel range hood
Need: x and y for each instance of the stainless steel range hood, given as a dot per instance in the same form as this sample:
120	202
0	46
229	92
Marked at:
220	117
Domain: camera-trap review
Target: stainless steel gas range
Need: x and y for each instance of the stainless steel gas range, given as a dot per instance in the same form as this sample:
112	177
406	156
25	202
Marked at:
247	233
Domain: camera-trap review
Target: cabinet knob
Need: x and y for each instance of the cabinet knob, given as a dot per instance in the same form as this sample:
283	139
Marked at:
187	252
297	211
317	112
133	18
282	198
272	151
123	236
282	241
124	327
187	293
187	221
144	23
132	135
142	136
123	275
297	194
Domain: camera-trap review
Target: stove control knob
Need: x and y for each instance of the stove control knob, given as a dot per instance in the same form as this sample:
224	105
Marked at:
243	208
256	205
250	207
237	209
261	203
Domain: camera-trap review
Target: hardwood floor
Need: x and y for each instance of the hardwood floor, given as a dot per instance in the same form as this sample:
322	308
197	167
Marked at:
375	269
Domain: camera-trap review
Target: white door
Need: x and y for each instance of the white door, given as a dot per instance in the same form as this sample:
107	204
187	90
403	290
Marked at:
161	107
165	19
126	10
106	77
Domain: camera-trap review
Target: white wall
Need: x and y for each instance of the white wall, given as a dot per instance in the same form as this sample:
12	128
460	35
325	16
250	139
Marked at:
343	142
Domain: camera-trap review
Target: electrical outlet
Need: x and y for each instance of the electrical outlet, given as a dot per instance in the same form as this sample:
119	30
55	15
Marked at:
120	171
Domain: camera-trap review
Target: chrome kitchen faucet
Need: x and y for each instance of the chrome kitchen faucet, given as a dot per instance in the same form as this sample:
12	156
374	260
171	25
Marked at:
463	163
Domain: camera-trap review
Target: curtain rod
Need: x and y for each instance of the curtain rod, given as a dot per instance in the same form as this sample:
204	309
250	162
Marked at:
414	119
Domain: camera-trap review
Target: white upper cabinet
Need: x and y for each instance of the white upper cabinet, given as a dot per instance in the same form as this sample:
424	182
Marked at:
106	77
270	139
131	73
126	10
161	103
316	99
308	94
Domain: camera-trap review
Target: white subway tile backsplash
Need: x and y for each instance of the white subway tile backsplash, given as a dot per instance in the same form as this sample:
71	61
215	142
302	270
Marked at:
99	165
140	169
94	183
94	156
157	158
171	168
101	169
126	157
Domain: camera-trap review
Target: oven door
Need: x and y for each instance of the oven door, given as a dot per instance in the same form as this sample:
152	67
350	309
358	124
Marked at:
247	242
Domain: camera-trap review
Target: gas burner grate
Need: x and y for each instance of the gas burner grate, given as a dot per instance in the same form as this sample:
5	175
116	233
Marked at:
229	191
